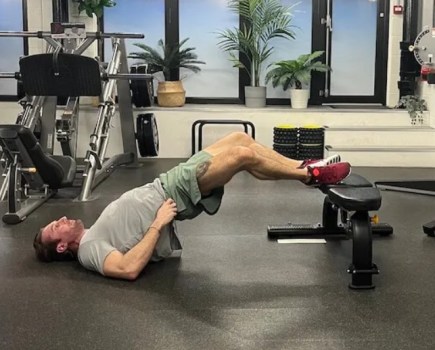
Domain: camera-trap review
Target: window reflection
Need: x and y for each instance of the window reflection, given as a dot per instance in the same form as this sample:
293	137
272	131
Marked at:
11	19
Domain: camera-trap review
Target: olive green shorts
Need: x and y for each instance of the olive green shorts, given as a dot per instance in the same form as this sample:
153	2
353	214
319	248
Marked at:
180	184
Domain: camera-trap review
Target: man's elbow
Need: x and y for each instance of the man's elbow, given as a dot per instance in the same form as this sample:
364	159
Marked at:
131	275
124	274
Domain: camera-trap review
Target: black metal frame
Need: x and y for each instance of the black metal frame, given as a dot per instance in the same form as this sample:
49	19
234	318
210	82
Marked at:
172	32
199	124
60	11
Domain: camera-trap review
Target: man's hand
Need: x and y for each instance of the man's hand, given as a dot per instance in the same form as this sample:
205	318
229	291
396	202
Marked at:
166	213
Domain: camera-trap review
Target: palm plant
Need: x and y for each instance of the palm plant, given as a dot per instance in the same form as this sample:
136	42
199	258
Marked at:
263	20
296	73
169	57
94	6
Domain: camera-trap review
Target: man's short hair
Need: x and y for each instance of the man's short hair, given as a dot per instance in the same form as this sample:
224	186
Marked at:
47	252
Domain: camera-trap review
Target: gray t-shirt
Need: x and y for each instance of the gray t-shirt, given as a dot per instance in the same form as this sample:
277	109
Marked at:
123	223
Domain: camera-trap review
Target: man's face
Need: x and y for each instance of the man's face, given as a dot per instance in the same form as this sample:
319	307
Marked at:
63	230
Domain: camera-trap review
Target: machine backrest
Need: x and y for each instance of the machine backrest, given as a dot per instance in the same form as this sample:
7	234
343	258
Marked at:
60	75
17	139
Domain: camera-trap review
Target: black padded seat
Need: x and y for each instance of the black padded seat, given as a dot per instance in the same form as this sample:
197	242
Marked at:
69	167
56	171
353	180
356	198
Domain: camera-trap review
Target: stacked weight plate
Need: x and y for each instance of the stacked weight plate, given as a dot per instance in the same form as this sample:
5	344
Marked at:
311	142
307	142
285	140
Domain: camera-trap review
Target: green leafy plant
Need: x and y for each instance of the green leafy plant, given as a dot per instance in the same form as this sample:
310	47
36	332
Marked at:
415	107
296	73
168	58
263	20
94	6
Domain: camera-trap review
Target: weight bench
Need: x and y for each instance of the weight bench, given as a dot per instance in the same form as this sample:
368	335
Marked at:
43	174
355	195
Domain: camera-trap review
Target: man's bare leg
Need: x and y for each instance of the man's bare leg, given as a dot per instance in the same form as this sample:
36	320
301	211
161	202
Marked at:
243	139
228	161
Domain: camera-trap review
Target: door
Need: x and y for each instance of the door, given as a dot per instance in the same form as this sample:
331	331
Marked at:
353	35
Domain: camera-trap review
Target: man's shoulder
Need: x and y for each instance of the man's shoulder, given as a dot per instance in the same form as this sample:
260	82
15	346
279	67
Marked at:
92	253
88	240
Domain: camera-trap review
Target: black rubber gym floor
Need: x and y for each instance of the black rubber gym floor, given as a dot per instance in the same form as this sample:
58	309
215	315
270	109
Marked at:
232	288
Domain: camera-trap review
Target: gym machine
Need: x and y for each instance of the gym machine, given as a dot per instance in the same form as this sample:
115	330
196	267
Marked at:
345	215
63	71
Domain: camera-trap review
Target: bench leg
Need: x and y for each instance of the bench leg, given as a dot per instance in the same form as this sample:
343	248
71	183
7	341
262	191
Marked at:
362	267
329	216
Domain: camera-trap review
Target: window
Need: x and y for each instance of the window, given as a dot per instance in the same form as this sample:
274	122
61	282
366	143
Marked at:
353	47
355	37
11	19
292	48
200	21
135	16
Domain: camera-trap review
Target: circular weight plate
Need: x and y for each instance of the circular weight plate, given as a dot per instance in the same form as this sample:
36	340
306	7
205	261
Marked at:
147	135
424	46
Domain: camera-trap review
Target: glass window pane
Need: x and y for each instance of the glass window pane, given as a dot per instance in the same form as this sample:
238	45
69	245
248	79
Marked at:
293	48
353	47
11	19
199	21
135	16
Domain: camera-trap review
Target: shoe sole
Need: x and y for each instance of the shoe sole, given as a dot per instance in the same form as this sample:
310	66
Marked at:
327	161
335	158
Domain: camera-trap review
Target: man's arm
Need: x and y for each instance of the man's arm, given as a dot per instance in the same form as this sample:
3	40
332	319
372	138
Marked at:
129	265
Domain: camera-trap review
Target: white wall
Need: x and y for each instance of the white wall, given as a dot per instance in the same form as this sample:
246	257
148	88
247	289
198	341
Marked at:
393	68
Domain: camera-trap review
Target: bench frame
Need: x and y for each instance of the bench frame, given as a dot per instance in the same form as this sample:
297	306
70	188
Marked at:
338	223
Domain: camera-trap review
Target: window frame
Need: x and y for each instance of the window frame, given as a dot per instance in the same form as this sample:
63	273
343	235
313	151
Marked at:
14	98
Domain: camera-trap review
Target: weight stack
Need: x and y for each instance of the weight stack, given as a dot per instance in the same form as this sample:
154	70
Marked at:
311	142
285	140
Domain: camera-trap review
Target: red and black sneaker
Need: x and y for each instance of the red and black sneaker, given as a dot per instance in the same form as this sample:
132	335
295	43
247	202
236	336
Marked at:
335	158
329	174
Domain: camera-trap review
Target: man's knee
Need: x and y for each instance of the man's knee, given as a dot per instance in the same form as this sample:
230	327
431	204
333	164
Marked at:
243	155
242	137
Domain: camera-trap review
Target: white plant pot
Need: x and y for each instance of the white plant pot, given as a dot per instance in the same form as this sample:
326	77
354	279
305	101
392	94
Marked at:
299	98
255	96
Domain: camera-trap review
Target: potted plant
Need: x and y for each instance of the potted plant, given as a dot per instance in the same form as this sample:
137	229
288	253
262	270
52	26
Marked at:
170	92
415	107
296	74
96	7
263	20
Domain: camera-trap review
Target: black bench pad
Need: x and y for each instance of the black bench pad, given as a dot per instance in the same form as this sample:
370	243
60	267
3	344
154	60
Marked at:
356	198
356	180
353	180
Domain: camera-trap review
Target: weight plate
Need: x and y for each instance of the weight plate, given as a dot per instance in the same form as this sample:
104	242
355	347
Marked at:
147	135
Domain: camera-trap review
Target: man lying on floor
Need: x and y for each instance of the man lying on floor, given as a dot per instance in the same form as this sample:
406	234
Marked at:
138	226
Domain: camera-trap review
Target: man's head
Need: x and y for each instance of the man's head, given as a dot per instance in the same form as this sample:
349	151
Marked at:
59	240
